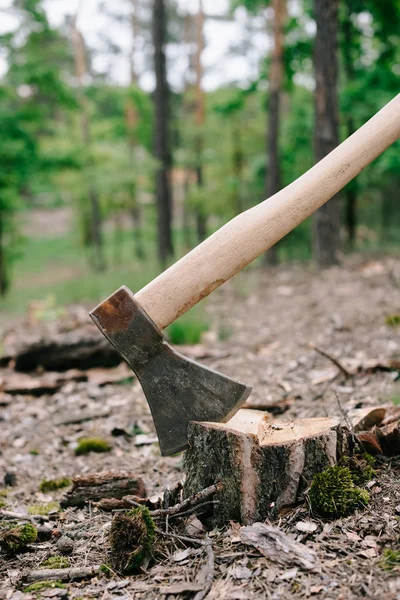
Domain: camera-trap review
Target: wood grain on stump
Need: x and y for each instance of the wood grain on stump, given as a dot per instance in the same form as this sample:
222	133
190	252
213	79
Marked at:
263	463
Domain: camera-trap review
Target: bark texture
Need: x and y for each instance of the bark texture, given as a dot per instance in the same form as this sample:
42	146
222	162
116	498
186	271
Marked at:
162	138
263	464
109	484
326	221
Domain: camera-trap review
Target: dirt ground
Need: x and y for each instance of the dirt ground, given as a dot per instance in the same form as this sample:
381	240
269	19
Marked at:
262	327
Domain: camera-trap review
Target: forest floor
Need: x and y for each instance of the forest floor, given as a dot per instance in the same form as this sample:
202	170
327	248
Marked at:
267	322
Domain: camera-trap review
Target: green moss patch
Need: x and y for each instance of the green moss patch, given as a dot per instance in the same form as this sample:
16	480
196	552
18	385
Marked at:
131	540
393	320
333	493
93	444
361	467
56	562
43	509
50	485
15	539
390	559
43	585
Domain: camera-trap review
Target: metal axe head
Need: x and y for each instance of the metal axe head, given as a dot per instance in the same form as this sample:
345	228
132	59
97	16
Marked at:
177	389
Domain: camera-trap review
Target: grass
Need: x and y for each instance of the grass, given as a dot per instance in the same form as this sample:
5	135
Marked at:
189	328
94	444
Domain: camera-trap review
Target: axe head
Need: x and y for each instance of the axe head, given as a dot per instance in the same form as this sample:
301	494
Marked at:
177	389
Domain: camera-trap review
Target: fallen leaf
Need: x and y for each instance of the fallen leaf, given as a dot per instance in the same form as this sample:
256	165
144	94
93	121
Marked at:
290	574
181	554
241	573
180	588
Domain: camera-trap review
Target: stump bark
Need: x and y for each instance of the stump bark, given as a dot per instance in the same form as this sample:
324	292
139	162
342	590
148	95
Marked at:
263	463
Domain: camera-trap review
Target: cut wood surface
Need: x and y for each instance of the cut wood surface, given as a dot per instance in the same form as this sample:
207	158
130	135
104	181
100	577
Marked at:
264	464
108	484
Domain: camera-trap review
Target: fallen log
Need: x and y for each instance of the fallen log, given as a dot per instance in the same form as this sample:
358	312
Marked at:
79	349
97	486
262	463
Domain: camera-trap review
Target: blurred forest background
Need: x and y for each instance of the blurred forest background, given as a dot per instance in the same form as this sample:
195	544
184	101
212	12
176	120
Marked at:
105	182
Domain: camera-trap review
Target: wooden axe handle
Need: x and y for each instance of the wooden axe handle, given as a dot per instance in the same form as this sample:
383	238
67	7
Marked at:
252	232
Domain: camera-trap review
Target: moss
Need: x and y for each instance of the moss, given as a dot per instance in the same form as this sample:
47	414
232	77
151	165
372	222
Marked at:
393	320
56	562
94	444
50	485
361	467
2	503
34	452
106	569
15	539
3	493
131	540
44	585
43	509
390	559
333	493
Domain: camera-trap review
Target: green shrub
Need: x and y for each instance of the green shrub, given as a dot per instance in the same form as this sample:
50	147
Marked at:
333	493
131	540
185	331
93	444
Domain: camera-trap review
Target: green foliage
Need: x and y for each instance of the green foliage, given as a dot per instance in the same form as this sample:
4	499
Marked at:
188	329
50	485
15	539
132	537
393	320
43	585
93	444
56	562
390	559
43	509
333	493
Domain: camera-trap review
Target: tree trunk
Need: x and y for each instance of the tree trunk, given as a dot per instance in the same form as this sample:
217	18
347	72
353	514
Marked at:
352	188
237	162
273	175
96	238
201	213
162	141
3	259
262	463
131	121
326	221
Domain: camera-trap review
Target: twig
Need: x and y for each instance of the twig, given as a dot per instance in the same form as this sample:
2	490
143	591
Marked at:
13	516
335	361
206	574
61	574
193	509
183	538
193	500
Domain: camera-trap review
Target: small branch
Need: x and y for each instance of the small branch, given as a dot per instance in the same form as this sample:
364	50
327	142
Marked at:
334	360
206	574
182	538
192	501
61	574
13	516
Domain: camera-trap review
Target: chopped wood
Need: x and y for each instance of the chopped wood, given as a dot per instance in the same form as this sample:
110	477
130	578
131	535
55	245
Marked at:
278	547
190	502
37	385
263	463
80	349
369	441
61	574
108	484
389	438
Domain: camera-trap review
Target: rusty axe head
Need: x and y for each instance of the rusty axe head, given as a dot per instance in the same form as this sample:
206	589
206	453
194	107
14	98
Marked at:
177	389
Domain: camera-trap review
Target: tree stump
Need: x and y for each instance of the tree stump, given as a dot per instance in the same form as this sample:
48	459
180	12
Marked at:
263	463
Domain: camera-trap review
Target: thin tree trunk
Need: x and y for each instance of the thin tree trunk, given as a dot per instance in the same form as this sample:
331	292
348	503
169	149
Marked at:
201	215
273	179
237	162
326	221
162	142
131	121
3	262
351	190
96	237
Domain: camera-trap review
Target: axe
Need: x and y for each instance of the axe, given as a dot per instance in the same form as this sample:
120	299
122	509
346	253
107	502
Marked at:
179	390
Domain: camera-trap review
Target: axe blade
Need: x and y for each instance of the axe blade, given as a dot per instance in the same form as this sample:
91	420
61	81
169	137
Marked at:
177	389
